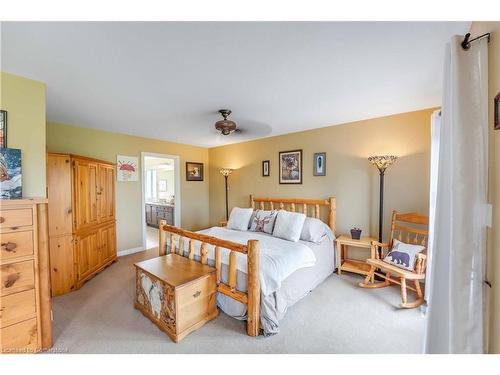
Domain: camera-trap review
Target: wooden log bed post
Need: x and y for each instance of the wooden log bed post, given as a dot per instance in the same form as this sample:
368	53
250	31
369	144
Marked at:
253	289
162	248
332	214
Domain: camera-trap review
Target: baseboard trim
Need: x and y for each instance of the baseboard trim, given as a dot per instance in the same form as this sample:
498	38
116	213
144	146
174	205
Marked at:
129	251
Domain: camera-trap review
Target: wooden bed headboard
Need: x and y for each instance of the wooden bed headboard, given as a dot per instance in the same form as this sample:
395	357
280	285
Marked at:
299	205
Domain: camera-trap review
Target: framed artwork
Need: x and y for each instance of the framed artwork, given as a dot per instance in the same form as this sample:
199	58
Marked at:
10	173
265	168
3	128
319	167
194	171
291	167
496	108
163	185
127	168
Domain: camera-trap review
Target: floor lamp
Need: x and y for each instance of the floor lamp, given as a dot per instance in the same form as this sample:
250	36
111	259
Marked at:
382	163
226	172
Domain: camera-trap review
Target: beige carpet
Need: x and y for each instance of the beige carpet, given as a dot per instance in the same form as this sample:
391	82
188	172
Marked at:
151	237
337	317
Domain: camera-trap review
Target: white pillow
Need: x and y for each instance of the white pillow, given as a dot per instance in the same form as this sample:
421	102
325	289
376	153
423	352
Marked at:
289	225
313	230
263	221
403	255
239	218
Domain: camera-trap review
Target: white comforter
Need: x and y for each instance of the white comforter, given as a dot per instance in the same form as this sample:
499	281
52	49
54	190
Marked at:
278	258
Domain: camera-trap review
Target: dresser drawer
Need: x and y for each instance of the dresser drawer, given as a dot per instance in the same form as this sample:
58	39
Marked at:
16	244
195	291
17	307
16	218
17	277
164	215
19	338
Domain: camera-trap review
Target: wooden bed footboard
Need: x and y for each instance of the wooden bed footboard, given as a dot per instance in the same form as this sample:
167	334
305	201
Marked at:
178	238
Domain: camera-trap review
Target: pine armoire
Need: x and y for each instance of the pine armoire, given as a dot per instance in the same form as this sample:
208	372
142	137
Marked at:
82	225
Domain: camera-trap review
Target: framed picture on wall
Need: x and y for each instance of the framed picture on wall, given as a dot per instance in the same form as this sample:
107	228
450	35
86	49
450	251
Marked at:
290	167
126	168
194	171
163	185
319	168
3	128
496	110
266	168
10	173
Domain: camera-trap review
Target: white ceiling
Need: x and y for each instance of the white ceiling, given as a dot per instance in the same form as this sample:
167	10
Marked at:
167	80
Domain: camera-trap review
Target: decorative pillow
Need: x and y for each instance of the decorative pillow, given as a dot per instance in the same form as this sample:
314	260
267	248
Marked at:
403	255
289	225
313	230
239	218
263	221
251	219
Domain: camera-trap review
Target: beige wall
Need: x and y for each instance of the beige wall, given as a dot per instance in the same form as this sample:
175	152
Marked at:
24	100
105	145
493	273
349	177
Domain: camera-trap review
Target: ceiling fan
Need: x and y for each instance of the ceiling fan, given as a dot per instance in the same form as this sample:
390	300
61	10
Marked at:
226	126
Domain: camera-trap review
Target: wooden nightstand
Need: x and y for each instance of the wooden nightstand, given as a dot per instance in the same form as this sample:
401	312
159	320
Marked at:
353	265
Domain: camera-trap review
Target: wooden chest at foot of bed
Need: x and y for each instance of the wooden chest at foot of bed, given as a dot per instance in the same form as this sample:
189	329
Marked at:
177	294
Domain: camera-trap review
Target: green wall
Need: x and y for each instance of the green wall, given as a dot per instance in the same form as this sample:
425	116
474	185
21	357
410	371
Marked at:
24	100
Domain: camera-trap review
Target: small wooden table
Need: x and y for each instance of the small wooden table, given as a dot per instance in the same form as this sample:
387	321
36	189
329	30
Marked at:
353	265
177	294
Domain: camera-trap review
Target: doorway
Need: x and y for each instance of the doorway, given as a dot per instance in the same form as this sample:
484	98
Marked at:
160	195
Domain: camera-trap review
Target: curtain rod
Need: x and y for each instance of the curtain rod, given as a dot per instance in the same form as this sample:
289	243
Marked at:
466	43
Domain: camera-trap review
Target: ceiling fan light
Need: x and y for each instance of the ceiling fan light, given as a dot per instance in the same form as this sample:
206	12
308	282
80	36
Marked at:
225	126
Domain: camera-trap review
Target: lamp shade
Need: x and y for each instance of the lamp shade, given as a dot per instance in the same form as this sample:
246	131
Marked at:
225	171
382	162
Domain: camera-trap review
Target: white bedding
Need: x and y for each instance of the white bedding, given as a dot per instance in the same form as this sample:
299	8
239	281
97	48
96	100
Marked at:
278	258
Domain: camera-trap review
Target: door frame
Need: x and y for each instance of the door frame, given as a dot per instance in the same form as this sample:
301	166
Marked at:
177	197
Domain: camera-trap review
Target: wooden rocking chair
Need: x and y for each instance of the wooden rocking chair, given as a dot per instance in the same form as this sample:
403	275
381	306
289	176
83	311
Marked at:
407	234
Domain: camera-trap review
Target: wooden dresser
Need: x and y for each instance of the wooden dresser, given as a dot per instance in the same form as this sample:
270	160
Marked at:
82	225
25	305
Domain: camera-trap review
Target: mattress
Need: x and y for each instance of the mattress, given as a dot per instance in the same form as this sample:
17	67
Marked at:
283	291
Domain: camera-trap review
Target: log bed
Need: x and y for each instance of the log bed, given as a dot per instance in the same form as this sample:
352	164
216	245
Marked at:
176	239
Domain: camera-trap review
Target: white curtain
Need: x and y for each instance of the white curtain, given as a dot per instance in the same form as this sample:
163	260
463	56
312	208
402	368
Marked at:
455	320
435	139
